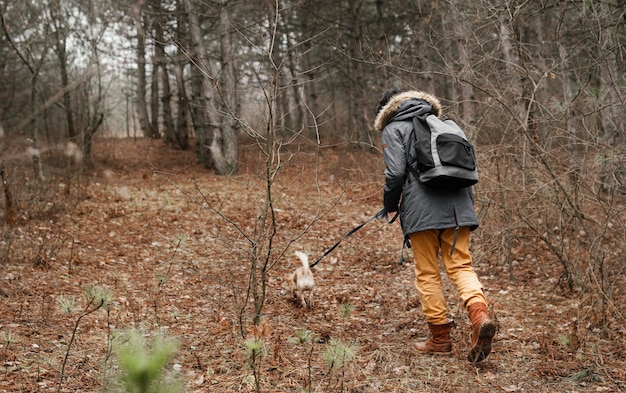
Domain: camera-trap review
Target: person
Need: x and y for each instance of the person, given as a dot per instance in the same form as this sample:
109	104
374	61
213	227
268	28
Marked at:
433	221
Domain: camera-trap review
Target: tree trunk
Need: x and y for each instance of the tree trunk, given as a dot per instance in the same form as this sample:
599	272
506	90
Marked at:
298	114
142	109
228	151
161	57
154	87
357	112
37	166
570	125
9	216
612	115
201	86
466	73
154	82
67	101
154	103
34	76
216	146
60	48
181	132
311	88
89	134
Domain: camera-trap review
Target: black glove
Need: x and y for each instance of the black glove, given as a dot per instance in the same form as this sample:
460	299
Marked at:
390	202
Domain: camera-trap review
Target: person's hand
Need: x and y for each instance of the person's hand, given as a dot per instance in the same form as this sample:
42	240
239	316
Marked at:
390	202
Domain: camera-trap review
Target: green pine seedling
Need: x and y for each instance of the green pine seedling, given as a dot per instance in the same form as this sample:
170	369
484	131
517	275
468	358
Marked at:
143	366
337	354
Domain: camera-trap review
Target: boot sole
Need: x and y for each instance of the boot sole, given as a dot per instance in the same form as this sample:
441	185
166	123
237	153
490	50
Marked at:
437	353
481	350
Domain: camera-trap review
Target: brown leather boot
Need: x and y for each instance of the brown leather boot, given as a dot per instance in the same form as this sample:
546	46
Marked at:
439	341
483	330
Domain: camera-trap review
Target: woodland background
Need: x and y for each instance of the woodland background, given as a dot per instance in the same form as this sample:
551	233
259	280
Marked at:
256	119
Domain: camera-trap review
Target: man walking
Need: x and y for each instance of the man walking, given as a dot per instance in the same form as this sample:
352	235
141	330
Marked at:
434	220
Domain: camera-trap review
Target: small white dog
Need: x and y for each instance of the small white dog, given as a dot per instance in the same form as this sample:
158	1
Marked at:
302	280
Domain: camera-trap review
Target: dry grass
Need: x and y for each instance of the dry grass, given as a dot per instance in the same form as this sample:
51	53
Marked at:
141	200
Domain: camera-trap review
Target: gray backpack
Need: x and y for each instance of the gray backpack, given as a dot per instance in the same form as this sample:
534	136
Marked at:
445	158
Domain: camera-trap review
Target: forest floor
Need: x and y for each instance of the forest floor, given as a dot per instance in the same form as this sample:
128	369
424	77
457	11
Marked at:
173	244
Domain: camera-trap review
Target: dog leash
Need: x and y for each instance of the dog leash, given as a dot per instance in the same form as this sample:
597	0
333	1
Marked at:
381	214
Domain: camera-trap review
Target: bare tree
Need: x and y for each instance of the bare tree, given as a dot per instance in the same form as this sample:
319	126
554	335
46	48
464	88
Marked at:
215	116
612	101
60	34
34	66
202	88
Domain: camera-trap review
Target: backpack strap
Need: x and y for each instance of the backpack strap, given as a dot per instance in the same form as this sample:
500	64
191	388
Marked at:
414	135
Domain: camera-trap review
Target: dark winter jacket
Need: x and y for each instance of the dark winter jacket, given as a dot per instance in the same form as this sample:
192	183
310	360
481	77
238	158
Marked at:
421	207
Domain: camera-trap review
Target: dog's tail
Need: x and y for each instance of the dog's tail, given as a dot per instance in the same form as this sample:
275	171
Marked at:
304	258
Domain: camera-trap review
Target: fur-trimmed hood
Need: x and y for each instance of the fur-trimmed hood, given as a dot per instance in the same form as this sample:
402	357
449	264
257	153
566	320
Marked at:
396	101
